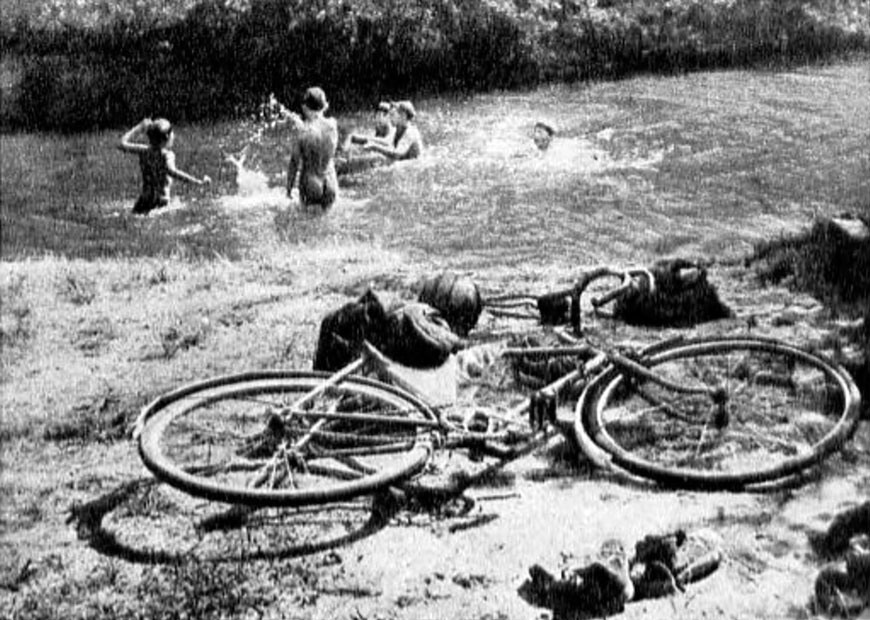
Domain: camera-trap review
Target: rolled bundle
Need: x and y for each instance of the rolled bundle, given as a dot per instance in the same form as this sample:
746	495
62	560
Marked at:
456	297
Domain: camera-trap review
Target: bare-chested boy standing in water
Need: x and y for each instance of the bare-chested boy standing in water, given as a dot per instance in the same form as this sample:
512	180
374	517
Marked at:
313	153
157	163
406	142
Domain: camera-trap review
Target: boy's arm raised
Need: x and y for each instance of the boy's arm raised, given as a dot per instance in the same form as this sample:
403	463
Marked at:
127	145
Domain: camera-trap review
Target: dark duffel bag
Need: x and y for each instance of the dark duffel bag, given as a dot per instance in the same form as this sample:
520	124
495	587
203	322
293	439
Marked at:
343	332
420	337
456	297
682	297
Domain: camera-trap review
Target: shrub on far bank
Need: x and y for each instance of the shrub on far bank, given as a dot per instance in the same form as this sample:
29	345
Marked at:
87	64
831	260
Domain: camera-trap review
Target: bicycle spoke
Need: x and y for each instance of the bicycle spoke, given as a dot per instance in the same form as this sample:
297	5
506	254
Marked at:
285	438
766	441
354	464
670	407
274	477
728	374
700	443
289	469
382	449
201	430
266	472
772	410
310	411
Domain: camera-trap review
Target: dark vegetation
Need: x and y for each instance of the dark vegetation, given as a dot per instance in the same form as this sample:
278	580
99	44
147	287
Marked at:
72	64
834	266
824	260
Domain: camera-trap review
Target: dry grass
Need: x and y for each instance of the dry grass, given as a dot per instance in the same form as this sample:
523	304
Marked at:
78	330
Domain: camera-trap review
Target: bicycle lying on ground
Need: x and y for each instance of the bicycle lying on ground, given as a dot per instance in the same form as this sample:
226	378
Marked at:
714	413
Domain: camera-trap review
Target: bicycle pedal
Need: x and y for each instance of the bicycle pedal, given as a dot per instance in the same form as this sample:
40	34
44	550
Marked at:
550	409
542	409
535	410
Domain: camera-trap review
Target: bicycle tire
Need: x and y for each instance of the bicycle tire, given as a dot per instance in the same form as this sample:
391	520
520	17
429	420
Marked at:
591	415
206	400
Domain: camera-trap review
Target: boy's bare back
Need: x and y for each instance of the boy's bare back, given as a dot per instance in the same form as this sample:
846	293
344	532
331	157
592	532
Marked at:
317	141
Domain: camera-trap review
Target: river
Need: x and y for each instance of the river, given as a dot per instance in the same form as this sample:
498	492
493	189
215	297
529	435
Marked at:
698	164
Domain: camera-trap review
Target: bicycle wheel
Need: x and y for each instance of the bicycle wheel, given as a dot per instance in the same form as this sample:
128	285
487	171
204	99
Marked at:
237	439
770	411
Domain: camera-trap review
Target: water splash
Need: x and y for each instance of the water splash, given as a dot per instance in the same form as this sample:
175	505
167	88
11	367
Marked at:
511	146
249	181
257	163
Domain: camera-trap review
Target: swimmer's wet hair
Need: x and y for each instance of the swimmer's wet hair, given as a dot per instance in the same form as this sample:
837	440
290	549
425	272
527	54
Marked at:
384	106
546	127
315	99
158	132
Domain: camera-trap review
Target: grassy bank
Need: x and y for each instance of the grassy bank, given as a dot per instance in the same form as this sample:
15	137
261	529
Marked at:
87	343
72	65
87	534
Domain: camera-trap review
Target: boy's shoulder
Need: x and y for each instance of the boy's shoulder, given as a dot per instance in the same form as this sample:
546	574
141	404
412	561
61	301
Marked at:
412	134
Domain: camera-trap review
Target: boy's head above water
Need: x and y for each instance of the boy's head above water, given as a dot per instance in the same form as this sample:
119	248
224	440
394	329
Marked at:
159	132
405	109
543	134
315	99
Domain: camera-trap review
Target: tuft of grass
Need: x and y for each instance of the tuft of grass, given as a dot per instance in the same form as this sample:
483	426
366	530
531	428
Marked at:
159	276
15	313
77	288
95	335
192	589
104	417
201	590
182	335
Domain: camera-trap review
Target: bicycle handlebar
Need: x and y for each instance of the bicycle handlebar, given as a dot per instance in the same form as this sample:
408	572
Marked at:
553	306
630	282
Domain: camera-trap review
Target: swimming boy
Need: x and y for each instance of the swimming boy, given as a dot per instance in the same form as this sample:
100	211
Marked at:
407	142
542	135
383	122
384	129
312	156
157	163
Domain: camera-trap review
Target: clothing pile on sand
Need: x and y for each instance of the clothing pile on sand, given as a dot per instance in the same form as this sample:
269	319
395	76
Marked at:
419	334
843	585
662	565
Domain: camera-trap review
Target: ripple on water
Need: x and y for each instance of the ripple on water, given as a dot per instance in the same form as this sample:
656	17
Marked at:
691	162
266	219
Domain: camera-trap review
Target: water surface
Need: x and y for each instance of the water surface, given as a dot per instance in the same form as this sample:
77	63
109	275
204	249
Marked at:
701	164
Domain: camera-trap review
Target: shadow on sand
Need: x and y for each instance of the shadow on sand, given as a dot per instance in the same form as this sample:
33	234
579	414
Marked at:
144	522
